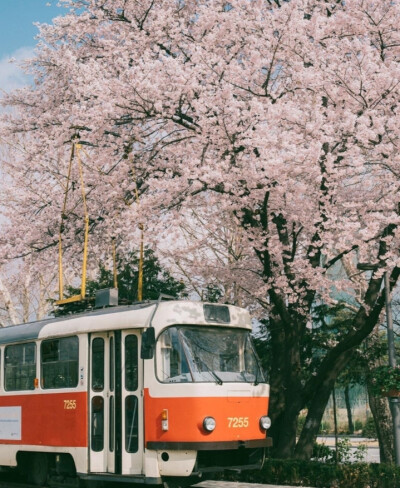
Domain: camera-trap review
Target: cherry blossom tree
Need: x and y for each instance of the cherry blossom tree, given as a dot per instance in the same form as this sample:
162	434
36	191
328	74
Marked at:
212	258
24	294
284	114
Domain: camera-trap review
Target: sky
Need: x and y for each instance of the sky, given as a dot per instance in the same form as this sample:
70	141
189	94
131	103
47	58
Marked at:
17	35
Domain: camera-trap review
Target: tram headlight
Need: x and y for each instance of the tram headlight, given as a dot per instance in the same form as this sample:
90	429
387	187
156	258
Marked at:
209	424
265	422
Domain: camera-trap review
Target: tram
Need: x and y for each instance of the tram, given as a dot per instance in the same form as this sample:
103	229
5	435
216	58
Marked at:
154	393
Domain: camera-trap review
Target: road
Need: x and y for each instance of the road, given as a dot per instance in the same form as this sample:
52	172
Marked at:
203	484
231	484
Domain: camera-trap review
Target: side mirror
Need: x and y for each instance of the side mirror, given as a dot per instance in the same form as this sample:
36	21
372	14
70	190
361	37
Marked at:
148	343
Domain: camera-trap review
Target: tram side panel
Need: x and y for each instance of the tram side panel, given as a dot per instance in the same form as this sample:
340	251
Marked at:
36	416
236	413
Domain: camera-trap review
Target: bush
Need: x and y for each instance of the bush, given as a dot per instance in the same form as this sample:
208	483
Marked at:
322	453
369	429
358	425
321	475
344	453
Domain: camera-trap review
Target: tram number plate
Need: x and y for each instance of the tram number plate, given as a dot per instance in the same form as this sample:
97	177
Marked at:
69	404
238	422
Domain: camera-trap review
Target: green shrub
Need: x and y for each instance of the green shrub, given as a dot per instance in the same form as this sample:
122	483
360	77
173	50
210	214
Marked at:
321	475
369	429
358	425
322	453
344	453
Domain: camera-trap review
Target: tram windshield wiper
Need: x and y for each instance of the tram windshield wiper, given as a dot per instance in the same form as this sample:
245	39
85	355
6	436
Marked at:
198	361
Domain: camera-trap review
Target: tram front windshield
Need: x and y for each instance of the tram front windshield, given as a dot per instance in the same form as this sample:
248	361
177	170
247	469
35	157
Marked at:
206	354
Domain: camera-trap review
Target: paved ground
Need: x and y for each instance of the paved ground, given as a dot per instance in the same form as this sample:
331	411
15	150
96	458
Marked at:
329	440
231	484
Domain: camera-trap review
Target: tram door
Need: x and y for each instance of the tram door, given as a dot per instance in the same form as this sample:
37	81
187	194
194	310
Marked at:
102	403
115	403
132	404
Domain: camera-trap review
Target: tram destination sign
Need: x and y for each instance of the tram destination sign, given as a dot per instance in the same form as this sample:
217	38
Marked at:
10	423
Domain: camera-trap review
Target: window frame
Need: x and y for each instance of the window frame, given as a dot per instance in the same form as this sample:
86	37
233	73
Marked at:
34	363
260	377
131	381
75	360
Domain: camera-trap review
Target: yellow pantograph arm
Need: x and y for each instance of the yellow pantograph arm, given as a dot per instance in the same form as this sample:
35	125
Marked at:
86	216
75	150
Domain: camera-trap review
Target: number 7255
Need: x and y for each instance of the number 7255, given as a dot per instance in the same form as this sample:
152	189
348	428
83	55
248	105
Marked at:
238	422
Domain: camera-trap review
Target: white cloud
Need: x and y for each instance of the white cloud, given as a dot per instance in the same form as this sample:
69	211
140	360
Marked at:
11	75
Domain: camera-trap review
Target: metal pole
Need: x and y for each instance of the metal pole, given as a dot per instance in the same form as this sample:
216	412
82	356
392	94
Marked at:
389	322
393	402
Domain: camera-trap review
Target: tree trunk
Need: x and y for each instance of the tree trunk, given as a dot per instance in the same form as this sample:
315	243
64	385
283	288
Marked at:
43	303
285	400
380	410
317	406
285	384
384	426
8	303
26	294
286	442
315	413
348	408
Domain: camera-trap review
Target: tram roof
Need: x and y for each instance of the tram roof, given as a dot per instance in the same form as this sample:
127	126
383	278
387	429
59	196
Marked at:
160	314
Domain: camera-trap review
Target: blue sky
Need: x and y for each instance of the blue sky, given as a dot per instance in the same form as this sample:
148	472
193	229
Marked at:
17	34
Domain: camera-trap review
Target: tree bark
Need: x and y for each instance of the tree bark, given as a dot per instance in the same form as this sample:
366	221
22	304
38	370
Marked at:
383	425
319	400
277	381
348	409
286	398
43	304
8	303
26	294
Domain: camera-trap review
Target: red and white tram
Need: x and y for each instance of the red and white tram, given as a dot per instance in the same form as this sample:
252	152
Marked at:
157	392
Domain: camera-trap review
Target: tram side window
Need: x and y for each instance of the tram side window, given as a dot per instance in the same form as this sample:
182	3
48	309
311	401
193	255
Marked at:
97	430
131	362
20	367
131	424
60	363
98	364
